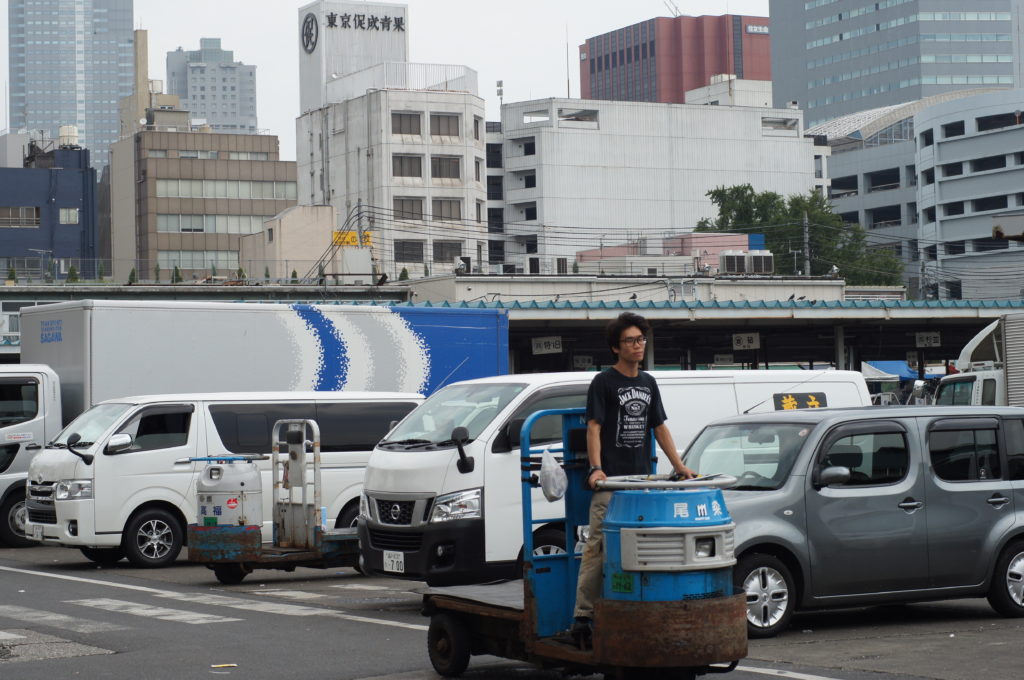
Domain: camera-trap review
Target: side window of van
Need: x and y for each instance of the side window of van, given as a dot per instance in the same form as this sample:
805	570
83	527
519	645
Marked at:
159	428
872	457
1013	430
357	426
549	428
964	455
988	392
19	400
246	428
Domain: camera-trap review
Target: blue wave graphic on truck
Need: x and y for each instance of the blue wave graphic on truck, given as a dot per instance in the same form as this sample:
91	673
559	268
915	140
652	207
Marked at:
403	349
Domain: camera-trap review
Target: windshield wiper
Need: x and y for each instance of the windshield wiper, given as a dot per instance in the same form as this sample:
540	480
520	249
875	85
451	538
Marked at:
407	441
56	445
749	487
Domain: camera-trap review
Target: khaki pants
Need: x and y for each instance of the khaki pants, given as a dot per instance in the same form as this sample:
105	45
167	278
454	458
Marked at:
588	588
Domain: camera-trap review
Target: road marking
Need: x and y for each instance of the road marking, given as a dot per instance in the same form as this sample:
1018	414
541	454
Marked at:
162	613
360	586
54	620
782	674
10	636
289	594
224	601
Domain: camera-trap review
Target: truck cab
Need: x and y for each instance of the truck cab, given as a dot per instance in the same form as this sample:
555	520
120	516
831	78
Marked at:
30	415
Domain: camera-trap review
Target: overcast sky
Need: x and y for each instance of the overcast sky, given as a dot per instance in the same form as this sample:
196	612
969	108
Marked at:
522	43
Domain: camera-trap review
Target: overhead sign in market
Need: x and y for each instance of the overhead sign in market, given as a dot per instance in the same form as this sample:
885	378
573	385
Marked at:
925	339
550	344
746	341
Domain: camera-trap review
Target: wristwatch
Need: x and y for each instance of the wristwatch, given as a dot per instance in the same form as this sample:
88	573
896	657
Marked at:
592	470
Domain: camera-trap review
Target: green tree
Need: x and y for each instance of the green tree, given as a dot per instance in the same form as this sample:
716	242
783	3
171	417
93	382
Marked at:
12	275
133	276
575	267
213	269
833	243
240	274
99	272
156	273
176	275
72	274
295	276
403	275
266	273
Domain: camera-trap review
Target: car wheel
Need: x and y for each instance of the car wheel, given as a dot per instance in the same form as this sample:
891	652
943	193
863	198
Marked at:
1006	594
770	593
103	555
153	538
348	519
448	645
549	541
13	515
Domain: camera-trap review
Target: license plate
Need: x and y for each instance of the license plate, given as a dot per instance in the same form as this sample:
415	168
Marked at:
37	532
394	561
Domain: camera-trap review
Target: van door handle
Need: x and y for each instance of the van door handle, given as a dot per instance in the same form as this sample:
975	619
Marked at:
998	501
911	504
182	461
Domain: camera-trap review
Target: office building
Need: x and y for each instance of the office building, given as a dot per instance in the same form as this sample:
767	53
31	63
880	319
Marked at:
48	212
580	174
70	63
214	87
835	57
658	60
930	180
183	199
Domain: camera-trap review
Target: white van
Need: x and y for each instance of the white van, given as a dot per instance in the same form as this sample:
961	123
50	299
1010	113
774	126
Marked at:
118	482
422	518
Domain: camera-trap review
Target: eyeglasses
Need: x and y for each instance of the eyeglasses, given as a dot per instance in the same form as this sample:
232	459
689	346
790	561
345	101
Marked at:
635	340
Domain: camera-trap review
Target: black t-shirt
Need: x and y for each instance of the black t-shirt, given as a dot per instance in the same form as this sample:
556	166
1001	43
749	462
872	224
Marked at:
627	409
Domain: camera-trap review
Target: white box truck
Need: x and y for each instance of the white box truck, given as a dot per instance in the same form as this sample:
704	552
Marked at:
105	349
990	368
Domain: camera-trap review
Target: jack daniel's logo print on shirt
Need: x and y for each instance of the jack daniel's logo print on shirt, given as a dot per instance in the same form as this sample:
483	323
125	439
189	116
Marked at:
632	426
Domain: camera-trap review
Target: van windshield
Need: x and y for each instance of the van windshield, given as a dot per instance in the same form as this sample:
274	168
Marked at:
955	392
471	406
759	455
91	425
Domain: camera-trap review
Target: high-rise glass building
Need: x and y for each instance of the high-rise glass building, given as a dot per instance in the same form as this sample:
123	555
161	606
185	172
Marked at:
215	87
70	63
835	57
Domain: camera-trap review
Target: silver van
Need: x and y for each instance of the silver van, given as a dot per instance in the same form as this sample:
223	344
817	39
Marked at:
853	507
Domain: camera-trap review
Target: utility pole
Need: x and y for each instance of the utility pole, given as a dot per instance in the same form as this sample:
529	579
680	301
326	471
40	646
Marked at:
807	246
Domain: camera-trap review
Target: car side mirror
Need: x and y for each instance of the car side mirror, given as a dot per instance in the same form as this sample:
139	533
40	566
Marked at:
118	443
836	474
466	463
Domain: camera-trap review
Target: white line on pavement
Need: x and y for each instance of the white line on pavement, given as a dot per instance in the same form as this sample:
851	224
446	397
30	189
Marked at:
782	674
162	613
224	601
55	620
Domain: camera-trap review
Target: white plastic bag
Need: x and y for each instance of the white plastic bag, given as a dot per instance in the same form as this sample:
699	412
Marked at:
553	481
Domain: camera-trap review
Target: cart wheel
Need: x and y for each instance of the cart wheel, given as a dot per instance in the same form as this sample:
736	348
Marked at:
229	574
448	645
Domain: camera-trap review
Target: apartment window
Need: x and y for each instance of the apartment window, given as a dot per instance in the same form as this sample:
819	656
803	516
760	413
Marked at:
953	129
952	169
444	125
409	251
562	265
447	209
405	123
984	245
476	128
927	138
988	163
954	208
407	166
156	153
447	251
476	169
990	203
69	215
955	247
248	155
270	235
408	208
444	167
494	155
530	181
494	188
529	148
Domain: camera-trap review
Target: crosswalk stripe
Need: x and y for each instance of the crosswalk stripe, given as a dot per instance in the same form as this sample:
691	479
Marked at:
234	602
162	613
289	594
55	620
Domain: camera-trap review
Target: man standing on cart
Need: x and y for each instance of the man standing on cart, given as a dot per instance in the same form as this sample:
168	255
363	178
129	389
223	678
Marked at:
623	404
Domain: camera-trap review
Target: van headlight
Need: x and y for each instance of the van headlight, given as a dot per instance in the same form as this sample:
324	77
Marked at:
364	506
72	489
458	505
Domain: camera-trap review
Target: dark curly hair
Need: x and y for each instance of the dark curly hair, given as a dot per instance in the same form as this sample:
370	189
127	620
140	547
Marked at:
624	321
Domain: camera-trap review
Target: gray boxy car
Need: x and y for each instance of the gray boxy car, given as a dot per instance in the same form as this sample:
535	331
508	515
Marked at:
853	507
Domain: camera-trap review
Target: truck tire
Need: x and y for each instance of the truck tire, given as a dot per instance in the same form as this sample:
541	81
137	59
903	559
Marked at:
152	538
1006	593
103	555
770	592
230	574
448	645
13	515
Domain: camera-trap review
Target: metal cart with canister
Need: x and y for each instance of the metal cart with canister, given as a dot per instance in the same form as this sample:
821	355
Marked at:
228	535
668	607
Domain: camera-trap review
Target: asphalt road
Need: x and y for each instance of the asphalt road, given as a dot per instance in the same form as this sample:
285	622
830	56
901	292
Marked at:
64	617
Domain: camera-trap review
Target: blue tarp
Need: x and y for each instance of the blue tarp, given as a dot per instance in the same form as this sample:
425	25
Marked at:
898	368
